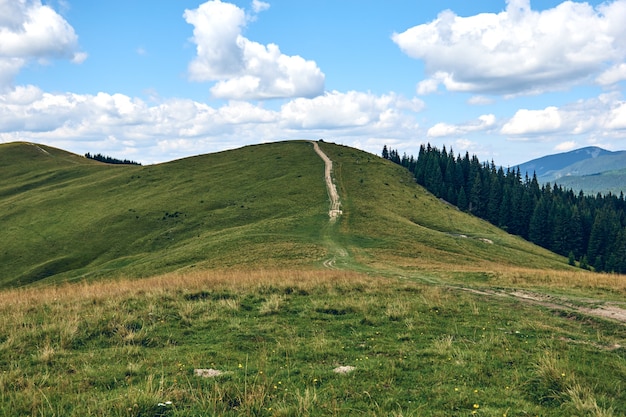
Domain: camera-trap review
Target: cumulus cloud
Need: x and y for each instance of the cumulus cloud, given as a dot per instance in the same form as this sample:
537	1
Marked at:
617	117
444	129
604	116
533	121
180	127
244	69
30	30
612	75
351	109
520	51
566	146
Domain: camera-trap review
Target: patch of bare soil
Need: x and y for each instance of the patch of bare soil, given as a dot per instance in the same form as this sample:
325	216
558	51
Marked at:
589	307
600	309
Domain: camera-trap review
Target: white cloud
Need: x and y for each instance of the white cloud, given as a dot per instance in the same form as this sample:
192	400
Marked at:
351	109
533	121
612	75
604	116
32	31
518	51
180	127
259	6
617	117
566	146
444	129
479	100
242	68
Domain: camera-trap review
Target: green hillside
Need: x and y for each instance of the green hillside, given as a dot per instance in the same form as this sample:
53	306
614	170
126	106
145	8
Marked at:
402	306
603	182
66	217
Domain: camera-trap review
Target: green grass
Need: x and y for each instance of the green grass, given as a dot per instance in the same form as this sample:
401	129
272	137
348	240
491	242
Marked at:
122	348
260	204
67	218
414	295
390	220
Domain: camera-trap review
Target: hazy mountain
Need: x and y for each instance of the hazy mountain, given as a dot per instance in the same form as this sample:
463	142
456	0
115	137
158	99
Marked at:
591	169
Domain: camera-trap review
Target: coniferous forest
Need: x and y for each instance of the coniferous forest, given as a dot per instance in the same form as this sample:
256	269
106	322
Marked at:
110	160
587	229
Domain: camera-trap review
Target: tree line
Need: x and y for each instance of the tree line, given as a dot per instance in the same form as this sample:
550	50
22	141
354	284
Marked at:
587	229
110	160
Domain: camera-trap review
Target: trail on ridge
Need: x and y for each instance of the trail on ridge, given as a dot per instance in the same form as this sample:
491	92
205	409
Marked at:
335	249
335	203
596	308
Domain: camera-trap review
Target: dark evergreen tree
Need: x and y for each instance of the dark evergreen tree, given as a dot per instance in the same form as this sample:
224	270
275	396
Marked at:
385	153
462	200
540	230
579	226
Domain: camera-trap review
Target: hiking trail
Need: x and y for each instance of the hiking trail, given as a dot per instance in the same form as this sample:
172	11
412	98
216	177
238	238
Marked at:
335	204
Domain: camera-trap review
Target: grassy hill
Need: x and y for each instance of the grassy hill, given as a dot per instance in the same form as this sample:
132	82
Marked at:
66	217
252	300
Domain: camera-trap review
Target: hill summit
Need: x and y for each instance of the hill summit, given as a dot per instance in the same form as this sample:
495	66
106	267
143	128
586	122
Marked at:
67	217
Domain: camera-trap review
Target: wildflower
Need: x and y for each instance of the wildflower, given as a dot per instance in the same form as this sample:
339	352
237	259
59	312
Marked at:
240	366
476	406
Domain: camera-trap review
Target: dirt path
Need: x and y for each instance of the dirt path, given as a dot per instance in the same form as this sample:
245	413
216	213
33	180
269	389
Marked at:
336	253
588	307
594	308
335	203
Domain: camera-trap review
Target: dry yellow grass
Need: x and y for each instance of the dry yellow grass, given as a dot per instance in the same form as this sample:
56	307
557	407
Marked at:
16	301
101	291
558	279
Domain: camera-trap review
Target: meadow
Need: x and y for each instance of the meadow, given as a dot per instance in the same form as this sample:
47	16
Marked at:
132	348
217	285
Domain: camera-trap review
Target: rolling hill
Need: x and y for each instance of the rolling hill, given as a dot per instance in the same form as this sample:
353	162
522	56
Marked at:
401	305
66	217
591	169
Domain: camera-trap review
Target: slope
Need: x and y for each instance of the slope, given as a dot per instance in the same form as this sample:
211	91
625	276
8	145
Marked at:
391	222
591	170
256	205
260	206
552	166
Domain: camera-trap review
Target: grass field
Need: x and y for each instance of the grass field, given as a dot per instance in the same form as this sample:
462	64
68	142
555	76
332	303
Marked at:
242	273
128	348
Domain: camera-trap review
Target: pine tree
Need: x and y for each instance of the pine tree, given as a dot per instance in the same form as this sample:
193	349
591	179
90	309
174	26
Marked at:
461	201
540	230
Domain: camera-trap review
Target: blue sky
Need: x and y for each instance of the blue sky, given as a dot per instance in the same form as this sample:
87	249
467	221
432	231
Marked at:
156	81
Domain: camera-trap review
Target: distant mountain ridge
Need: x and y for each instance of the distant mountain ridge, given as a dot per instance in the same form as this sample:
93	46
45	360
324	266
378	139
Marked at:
590	169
